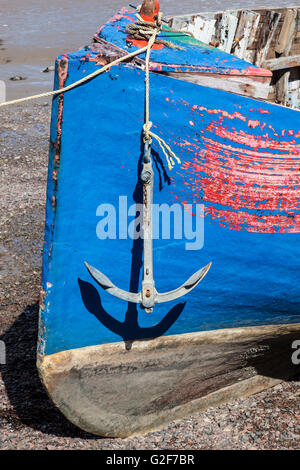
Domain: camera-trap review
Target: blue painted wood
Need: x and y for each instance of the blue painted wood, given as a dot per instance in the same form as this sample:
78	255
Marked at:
193	56
221	139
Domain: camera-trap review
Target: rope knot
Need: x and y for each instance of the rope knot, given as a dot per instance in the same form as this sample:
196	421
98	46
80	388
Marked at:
148	31
168	152
144	30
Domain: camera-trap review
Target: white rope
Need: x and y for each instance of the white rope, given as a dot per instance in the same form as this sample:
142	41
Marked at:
148	134
79	82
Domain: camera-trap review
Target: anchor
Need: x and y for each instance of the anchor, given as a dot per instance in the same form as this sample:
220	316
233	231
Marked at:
148	296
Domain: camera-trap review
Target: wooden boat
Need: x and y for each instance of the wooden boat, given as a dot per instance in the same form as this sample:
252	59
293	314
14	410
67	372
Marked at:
110	367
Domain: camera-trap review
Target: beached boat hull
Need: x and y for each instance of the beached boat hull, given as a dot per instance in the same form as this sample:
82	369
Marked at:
112	392
240	159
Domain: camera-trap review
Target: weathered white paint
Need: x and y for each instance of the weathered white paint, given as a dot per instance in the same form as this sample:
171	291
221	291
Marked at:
201	28
245	33
204	29
227	31
294	93
240	85
282	62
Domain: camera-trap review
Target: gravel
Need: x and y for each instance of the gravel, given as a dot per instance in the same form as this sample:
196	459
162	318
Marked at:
28	419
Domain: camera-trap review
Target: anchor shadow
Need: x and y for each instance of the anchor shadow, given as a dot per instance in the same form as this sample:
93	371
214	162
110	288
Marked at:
129	330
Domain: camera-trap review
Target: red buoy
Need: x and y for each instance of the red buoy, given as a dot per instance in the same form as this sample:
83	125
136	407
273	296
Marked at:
149	10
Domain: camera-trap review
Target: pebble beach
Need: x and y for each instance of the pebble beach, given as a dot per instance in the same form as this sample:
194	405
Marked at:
269	420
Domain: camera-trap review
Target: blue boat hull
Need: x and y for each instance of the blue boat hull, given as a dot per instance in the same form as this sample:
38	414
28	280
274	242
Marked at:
111	368
253	280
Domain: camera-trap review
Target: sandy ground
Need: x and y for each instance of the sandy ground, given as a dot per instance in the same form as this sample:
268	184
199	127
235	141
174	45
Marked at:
28	419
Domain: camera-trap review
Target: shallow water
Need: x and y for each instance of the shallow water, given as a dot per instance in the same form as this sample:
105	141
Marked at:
36	31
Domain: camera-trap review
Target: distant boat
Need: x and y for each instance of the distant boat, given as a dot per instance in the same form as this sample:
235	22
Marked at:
226	100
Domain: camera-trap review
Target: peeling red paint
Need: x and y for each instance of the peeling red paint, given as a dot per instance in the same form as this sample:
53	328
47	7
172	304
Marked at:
240	176
253	123
249	71
260	110
258	72
235	115
139	43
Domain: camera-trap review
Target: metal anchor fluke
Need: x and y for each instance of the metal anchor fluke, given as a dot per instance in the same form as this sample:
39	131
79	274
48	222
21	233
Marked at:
148	296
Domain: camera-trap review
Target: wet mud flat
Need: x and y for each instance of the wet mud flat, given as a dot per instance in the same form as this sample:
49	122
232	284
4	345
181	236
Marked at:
28	419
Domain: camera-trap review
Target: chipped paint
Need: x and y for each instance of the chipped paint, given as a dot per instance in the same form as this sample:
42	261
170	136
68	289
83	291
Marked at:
52	189
242	175
193	56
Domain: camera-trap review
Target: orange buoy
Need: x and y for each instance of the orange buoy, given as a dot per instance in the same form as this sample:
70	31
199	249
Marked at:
149	10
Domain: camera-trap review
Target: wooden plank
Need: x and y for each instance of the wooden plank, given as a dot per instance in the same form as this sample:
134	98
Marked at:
284	45
282	63
241	78
245	32
260	34
233	84
255	41
285	34
215	40
180	23
281	89
242	34
249	54
294	99
204	29
265	36
254	30
201	28
298	21
228	26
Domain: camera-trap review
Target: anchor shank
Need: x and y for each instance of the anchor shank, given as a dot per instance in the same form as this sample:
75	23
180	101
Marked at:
148	296
147	176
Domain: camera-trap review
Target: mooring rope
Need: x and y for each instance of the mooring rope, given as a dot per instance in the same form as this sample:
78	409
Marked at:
148	134
150	31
